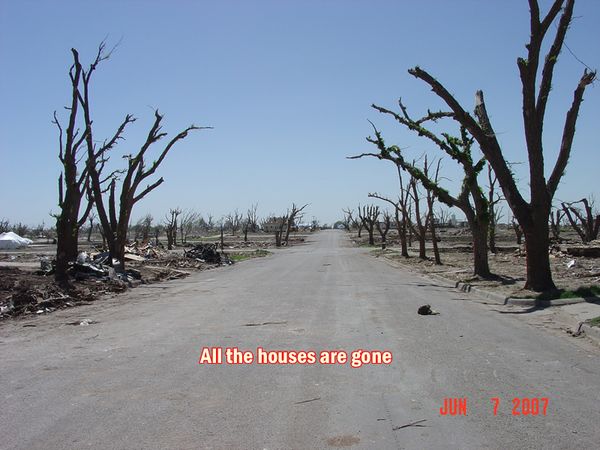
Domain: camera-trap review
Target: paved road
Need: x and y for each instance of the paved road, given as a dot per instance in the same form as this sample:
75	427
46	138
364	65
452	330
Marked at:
132	380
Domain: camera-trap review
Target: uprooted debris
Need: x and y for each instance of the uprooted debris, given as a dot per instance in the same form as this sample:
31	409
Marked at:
426	310
85	267
148	251
208	253
92	275
26	293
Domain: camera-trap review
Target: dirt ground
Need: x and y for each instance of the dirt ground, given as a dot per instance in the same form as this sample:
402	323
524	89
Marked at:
569	272
26	290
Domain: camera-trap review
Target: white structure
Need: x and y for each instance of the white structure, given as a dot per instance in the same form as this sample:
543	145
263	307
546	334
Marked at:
12	240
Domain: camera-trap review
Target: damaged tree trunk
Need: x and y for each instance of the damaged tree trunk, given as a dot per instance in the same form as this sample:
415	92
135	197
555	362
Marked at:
532	215
115	217
479	230
72	186
421	228
588	226
292	216
383	231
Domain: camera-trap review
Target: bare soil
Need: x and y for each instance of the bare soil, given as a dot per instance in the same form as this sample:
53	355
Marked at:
569	272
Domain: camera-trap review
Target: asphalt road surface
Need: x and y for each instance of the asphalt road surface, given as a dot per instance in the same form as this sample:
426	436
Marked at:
132	380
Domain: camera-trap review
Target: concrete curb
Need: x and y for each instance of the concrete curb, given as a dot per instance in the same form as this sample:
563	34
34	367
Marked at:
591	332
493	296
544	303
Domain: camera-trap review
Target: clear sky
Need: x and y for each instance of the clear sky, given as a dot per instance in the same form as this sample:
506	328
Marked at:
287	86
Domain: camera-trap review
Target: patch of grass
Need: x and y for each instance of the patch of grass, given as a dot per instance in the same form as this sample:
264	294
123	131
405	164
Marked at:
584	291
259	253
595	322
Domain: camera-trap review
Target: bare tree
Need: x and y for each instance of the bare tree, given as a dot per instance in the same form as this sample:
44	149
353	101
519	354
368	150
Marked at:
115	218
556	218
115	223
430	213
282	224
471	199
518	231
420	223
187	224
4	225
315	224
91	219
210	222
157	229
171	227
369	216
402	213
586	223
250	223
145	227
533	215
222	229
233	221
73	182
21	229
276	225
383	230
443	214
348	219
493	199
293	215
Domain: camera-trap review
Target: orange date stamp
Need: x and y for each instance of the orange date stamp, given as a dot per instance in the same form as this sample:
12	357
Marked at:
521	406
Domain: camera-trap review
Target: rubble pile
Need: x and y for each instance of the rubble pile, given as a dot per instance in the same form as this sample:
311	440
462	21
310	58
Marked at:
208	253
25	293
146	251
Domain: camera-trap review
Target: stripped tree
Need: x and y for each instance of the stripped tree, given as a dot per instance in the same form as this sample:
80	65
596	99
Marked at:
493	199
115	222
292	215
419	228
354	222
556	218
369	216
586	223
383	226
533	215
471	199
250	223
401	213
348	221
187	224
171	226
430	213
73	182
114	217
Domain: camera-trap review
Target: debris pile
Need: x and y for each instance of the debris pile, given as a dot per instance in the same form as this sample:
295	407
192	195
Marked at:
26	293
86	267
146	251
208	253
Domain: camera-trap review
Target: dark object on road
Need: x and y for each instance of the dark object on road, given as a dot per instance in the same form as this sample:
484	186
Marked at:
426	310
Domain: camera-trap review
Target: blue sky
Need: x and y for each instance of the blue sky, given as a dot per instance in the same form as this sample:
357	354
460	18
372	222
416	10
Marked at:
287	86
